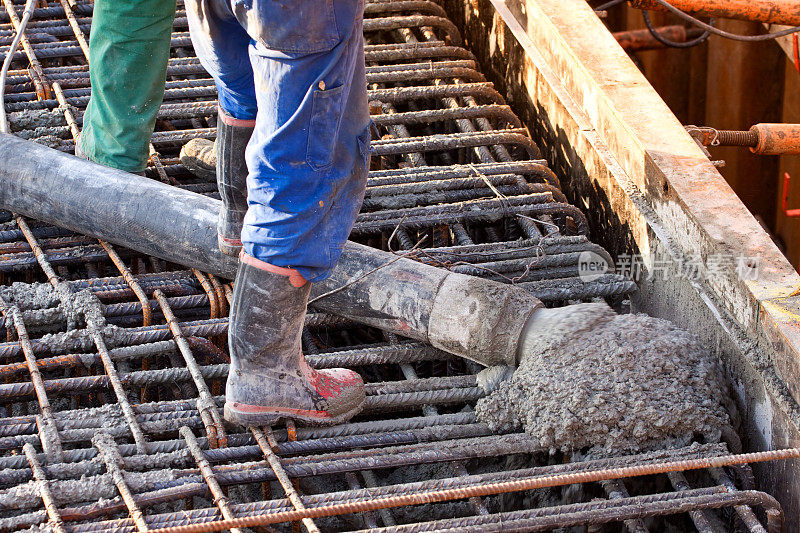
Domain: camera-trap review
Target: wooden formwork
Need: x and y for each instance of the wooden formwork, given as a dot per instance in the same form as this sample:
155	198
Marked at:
651	193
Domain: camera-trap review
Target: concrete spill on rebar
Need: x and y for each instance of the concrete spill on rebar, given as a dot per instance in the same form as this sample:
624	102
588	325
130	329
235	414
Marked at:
630	382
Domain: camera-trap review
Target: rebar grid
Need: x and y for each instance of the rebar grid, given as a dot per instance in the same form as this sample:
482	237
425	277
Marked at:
114	363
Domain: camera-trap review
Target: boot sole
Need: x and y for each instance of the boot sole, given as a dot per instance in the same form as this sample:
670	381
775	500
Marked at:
275	415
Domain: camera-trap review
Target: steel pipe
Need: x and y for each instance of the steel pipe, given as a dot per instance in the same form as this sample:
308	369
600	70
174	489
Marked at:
762	139
777	139
767	11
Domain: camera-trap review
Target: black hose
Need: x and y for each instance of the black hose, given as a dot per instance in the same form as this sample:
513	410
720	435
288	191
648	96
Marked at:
468	316
610	4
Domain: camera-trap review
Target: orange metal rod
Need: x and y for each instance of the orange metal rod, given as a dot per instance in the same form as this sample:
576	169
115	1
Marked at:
486	490
777	139
763	139
636	40
769	11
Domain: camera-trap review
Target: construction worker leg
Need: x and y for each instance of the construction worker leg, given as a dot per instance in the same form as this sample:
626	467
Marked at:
221	44
307	172
308	155
129	50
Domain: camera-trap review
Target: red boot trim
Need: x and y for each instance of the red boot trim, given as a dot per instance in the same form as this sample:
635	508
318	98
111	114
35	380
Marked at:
323	383
295	278
269	409
231	242
232	121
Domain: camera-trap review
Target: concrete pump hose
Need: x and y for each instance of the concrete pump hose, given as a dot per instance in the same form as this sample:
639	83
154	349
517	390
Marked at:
471	317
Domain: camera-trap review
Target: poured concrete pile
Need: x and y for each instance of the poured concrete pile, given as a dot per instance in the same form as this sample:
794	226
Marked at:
619	382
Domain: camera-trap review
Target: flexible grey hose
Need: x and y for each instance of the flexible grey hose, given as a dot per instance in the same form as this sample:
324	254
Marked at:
26	15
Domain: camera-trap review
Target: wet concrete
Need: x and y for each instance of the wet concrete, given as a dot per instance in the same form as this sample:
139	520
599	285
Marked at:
628	383
47	127
28	296
30	119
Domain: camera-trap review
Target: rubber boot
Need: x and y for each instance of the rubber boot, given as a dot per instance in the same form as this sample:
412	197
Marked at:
269	378
232	137
226	154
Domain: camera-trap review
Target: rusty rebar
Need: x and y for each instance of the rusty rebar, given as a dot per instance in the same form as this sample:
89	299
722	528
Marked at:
266	441
47	497
205	402
116	384
220	499
490	489
113	460
147	312
48	431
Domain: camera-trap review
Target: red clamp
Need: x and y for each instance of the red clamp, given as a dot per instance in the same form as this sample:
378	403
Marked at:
785	198
796	52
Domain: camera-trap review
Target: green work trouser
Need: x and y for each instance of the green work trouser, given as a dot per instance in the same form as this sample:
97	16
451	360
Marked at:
128	54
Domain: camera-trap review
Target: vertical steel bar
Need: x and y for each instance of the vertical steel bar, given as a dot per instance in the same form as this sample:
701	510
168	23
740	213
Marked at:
109	452
369	516
745	513
44	489
205	402
700	519
66	108
36	72
371	480
155	158
48	430
220	291
615	490
76	29
220	500
266	441
147	312
116	385
210	292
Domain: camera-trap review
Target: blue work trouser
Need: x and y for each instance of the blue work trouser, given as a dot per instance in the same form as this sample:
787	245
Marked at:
297	67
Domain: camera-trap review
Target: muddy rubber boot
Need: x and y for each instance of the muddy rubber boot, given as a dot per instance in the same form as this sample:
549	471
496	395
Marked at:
199	156
232	137
269	378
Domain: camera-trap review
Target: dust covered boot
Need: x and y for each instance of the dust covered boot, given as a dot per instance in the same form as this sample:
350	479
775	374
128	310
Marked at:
233	135
226	155
269	378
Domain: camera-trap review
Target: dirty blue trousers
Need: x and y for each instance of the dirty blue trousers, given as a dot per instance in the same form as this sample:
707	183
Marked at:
297	68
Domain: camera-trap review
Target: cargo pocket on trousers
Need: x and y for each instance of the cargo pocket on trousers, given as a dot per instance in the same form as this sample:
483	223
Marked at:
364	141
326	114
290	26
344	209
